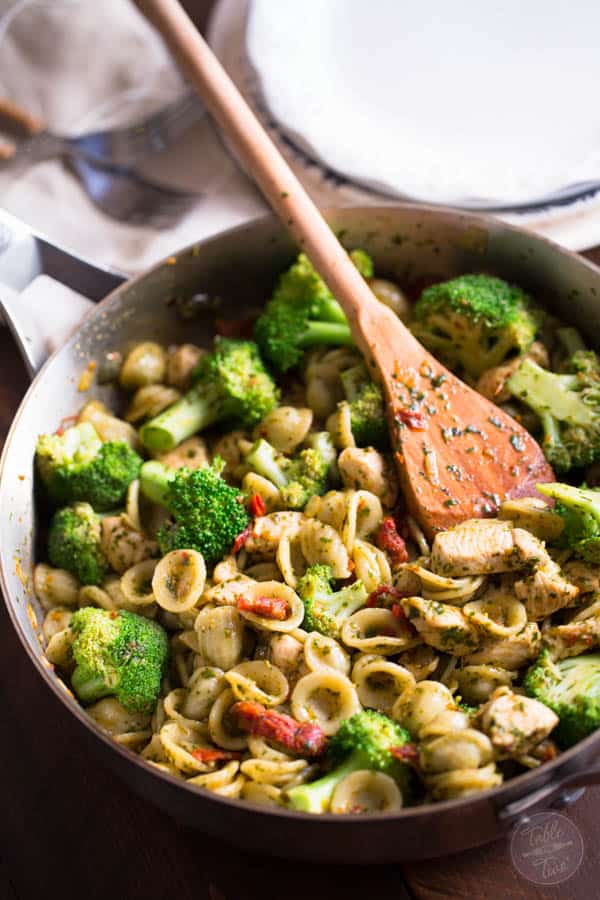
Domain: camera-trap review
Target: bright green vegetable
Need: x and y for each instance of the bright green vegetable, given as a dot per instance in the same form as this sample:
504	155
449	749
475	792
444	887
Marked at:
568	406
579	509
298	478
74	543
474	322
118	654
364	741
207	513
367	409
326	610
570	687
303	313
77	465
231	385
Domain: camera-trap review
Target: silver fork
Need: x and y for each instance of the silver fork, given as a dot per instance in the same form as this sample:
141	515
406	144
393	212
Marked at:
128	197
114	146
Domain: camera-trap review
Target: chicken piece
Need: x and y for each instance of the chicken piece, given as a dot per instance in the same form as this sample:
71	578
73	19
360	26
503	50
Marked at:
267	531
441	626
365	469
485	546
584	575
514	723
190	454
287	654
227	593
492	384
546	591
123	546
509	653
573	637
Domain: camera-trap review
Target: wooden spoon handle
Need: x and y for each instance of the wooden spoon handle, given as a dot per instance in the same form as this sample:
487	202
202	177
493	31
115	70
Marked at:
276	180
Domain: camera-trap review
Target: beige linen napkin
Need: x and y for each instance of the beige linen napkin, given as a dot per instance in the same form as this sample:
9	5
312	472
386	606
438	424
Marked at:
81	66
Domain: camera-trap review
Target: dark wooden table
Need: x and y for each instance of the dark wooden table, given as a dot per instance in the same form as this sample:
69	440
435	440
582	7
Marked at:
69	829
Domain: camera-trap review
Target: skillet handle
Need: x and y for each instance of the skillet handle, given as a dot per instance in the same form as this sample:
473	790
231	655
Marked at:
562	792
44	290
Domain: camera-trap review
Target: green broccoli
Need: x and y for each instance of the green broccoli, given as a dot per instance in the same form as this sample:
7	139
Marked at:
303	313
367	409
298	478
118	654
74	543
326	610
77	465
230	384
579	509
568	406
364	741
474	322
570	687
207	513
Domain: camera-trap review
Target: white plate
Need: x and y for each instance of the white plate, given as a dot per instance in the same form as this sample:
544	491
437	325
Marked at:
471	103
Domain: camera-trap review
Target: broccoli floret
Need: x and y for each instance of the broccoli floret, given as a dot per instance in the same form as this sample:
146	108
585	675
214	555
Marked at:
364	741
474	322
230	385
570	687
568	406
77	465
298	478
326	610
303	313
74	543
579	509
118	654
367	409
207	513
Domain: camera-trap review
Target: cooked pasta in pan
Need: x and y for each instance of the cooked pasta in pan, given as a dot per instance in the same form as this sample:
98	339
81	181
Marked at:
234	589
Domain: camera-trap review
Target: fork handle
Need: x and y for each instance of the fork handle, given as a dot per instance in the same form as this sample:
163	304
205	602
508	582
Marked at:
18	118
256	150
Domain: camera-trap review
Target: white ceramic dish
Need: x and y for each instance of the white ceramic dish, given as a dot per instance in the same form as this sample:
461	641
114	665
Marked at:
472	104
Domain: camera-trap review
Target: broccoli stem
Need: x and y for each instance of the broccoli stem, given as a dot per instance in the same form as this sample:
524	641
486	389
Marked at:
316	796
196	410
154	481
89	687
326	333
331	311
262	460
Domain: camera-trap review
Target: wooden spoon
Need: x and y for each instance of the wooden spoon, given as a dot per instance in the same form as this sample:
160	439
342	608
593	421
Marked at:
458	455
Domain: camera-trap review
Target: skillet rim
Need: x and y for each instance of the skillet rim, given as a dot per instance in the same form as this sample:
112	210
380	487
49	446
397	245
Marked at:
517	785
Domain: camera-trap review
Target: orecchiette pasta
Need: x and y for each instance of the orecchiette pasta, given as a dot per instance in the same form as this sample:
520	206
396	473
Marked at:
365	791
261	651
178	580
326	697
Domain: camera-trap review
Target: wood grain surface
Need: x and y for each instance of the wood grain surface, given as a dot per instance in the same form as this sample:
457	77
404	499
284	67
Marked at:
69	829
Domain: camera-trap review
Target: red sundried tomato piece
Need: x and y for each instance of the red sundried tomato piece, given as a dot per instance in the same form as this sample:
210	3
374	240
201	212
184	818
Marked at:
257	505
407	753
384	590
391	543
240	541
208	755
269	607
305	739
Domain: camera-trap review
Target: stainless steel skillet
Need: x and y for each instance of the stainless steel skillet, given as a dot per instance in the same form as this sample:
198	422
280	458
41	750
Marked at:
408	243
